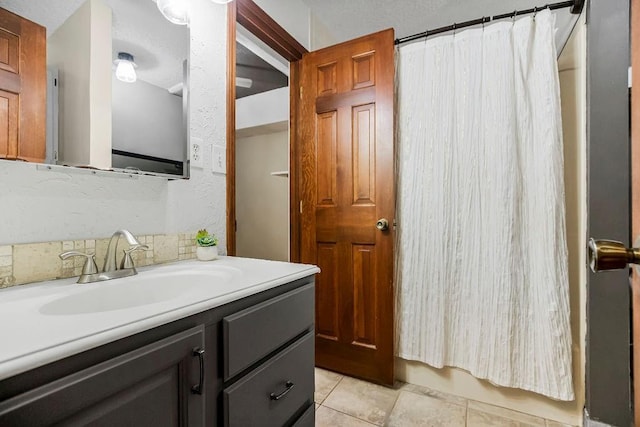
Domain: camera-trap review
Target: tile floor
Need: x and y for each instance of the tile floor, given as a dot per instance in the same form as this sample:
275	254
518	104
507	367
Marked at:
346	402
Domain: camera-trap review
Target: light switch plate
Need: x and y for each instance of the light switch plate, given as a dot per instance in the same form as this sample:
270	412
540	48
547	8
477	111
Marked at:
219	159
196	153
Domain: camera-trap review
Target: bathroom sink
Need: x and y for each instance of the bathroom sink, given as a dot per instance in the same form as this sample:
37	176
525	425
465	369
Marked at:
151	287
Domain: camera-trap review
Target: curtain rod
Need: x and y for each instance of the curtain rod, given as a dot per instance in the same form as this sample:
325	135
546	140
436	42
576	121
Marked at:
575	5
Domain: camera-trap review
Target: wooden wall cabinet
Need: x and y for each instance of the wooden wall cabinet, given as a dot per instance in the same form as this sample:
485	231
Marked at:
23	88
257	370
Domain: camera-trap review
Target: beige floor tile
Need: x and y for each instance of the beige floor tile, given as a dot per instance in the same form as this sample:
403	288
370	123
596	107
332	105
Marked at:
363	400
482	414
325	383
557	424
327	417
425	391
416	410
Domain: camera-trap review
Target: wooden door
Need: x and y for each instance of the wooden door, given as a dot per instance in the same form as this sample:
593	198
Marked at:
23	88
346	130
635	198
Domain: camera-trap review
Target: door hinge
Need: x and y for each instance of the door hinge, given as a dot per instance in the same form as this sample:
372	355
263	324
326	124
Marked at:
300	206
395	224
301	88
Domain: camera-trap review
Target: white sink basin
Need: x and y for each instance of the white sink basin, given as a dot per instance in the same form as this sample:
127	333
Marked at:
150	287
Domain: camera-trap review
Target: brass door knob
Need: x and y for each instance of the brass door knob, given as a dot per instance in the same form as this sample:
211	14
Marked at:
607	255
382	224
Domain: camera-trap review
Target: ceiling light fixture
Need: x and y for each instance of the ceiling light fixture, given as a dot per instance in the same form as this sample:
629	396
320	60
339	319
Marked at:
125	68
176	11
222	1
244	82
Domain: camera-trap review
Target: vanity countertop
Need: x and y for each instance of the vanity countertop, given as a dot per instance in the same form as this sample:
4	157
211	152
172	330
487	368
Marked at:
36	330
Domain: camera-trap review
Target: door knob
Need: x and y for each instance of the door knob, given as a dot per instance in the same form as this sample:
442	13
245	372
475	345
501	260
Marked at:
382	224
607	255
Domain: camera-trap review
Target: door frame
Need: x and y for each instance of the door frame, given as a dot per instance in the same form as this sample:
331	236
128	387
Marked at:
259	23
608	364
635	199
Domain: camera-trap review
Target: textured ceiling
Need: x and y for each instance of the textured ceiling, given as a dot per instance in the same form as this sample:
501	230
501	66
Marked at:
348	19
158	46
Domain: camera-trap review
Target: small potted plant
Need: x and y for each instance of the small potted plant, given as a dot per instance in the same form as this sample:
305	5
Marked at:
207	249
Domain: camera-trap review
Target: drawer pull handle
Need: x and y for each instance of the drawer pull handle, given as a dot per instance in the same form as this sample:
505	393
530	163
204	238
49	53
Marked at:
288	385
197	389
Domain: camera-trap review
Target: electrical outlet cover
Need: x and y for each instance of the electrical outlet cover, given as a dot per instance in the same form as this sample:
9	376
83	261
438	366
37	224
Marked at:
219	159
196	153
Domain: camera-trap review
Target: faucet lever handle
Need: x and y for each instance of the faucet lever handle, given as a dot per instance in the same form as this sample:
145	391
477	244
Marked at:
90	266
127	261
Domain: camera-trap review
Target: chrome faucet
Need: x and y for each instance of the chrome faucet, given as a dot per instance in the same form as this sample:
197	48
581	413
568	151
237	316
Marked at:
110	259
110	271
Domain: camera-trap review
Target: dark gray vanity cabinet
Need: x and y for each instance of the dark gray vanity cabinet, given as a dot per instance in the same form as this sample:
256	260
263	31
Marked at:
272	389
155	383
246	363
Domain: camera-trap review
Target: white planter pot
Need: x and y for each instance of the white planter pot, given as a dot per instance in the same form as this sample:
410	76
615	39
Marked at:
207	254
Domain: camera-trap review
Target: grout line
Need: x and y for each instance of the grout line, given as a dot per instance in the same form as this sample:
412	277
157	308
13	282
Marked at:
466	415
332	388
352	416
509	417
386	418
440	399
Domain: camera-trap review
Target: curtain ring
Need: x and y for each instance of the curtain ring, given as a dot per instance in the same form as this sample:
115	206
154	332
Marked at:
515	13
535	12
454	28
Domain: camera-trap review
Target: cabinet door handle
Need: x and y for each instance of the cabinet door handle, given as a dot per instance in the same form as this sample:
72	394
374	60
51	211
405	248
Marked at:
197	389
288	385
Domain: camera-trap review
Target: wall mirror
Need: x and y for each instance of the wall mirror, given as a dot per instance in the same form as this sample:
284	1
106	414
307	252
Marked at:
99	115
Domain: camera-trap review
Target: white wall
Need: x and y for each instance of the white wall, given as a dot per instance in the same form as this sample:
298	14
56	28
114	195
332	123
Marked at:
296	17
293	15
263	108
320	35
262	200
81	50
147	119
37	206
572	65
100	85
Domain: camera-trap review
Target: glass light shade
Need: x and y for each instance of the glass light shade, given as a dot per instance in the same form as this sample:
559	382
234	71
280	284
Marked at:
222	1
176	11
125	71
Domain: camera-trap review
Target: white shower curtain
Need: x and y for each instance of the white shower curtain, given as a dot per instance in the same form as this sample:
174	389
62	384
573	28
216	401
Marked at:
482	258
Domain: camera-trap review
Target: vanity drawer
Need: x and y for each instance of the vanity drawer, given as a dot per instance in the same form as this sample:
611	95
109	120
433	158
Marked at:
308	418
252	400
252	334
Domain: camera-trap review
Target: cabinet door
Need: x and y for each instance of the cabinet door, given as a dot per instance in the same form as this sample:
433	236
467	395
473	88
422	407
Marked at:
23	88
151	386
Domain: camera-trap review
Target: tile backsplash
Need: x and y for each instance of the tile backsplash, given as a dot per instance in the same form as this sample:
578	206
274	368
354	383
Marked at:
36	262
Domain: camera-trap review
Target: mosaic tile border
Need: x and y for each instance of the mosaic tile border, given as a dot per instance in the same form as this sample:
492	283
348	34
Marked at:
35	262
